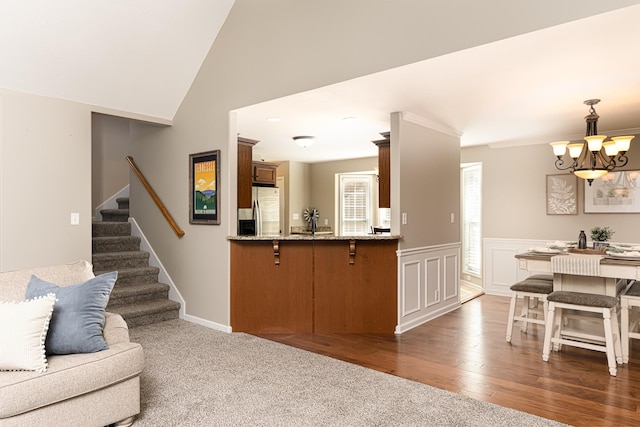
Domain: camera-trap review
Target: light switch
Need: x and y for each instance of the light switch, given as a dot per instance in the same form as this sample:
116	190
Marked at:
296	216
75	218
404	218
453	218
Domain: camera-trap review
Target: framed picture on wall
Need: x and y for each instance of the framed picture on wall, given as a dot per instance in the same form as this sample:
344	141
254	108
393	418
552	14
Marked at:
562	194
204	188
616	192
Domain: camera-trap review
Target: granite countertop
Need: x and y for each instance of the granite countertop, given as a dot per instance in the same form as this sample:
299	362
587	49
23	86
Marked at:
317	237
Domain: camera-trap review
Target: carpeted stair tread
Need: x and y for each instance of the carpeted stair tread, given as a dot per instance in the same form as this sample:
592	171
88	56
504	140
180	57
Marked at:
134	275
148	312
109	261
115	244
136	294
110	228
123	202
118	215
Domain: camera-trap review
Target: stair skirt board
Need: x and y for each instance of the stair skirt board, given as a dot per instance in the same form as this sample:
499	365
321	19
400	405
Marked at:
143	293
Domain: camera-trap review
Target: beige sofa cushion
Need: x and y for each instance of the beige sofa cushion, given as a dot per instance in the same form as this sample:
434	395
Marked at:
68	376
13	284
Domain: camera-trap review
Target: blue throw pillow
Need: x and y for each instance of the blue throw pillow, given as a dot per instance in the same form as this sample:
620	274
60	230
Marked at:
78	314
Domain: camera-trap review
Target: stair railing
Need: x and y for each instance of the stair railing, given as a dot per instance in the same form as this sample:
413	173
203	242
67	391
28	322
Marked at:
179	232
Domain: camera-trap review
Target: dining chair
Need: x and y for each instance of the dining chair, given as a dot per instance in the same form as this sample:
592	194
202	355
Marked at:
630	308
559	332
533	291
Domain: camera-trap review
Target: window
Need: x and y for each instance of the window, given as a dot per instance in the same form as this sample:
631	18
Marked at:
355	204
471	219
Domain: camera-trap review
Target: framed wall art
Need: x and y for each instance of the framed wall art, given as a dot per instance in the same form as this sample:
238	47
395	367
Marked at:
204	188
616	192
562	194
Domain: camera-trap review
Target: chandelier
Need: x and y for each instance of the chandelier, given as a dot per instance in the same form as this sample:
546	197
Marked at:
594	157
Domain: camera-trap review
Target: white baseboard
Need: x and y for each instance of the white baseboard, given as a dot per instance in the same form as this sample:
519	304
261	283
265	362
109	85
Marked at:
207	323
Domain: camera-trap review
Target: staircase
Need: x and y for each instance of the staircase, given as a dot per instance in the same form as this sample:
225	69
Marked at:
137	296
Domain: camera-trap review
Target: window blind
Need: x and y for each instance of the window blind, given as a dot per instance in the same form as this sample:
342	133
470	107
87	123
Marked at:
471	219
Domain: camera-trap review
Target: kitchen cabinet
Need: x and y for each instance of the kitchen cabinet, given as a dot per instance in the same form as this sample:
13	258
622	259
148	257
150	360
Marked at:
245	171
384	170
264	174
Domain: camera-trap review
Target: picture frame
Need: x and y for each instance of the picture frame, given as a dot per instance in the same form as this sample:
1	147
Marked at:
204	188
562	194
615	192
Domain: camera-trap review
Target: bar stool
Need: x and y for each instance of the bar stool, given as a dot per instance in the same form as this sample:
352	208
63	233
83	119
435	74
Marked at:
630	327
533	291
558	332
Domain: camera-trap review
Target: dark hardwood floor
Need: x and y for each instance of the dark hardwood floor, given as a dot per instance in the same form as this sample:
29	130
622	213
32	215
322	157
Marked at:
465	352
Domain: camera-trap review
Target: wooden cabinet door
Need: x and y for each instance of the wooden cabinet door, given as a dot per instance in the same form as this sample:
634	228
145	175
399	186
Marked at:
245	171
269	298
264	173
359	297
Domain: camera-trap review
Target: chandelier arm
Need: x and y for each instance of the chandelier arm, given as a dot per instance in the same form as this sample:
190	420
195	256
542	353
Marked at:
560	162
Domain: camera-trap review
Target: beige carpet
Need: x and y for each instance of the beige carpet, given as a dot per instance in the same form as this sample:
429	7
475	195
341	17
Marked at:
196	376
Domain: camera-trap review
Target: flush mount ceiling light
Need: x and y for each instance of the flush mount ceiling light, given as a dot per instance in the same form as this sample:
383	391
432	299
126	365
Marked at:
304	141
594	157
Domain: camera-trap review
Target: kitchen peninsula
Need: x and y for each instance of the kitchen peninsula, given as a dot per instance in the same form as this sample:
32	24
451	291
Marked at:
314	284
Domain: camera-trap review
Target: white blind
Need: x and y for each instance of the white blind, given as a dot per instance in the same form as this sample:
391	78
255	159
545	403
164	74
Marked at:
471	220
355	204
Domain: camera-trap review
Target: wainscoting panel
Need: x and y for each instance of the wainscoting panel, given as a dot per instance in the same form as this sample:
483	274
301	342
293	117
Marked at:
411	286
500	265
428	281
433	278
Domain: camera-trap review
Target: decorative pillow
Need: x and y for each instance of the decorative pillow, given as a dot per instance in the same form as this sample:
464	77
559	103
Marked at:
23	333
78	316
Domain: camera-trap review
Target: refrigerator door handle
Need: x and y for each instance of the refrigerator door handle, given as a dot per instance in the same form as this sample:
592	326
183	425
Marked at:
258	217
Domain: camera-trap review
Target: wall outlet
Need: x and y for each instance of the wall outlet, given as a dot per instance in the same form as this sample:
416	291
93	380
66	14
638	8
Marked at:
75	218
326	221
296	216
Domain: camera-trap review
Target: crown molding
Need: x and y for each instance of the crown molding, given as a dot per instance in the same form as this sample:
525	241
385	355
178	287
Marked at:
431	124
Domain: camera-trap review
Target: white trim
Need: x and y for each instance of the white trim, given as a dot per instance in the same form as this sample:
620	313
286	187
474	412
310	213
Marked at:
110	203
207	323
430	124
412	251
154	261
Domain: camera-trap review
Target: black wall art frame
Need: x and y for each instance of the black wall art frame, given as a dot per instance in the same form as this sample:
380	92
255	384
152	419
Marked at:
204	188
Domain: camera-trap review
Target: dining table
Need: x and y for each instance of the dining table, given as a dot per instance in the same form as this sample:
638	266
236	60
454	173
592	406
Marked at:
587	271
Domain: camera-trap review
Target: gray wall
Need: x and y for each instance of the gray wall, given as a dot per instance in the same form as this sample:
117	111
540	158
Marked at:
45	175
109	148
514	196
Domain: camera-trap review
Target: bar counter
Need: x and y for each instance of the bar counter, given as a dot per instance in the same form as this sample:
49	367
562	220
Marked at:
314	283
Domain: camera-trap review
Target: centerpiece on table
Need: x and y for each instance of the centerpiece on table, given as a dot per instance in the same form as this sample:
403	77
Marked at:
600	236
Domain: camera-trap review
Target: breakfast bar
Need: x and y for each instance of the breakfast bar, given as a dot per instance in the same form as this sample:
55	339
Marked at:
314	284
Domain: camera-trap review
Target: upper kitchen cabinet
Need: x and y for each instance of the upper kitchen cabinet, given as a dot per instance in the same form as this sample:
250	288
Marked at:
245	171
384	170
264	174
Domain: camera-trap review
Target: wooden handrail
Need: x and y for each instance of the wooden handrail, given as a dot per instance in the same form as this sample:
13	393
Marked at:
179	232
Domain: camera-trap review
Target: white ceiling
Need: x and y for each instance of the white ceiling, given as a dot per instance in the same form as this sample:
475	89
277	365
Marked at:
524	90
137	56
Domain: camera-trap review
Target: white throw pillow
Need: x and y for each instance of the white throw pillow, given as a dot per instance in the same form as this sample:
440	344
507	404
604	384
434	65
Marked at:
23	331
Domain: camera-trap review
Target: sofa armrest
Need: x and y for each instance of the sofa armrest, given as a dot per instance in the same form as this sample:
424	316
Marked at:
115	329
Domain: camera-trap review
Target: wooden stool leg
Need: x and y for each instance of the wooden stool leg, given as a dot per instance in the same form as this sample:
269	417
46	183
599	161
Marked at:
608	337
512	313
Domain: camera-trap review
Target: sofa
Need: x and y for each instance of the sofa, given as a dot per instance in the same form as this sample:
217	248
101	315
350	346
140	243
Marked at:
88	389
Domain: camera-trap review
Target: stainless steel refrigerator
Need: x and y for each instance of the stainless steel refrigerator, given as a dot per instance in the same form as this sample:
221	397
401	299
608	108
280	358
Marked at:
266	210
